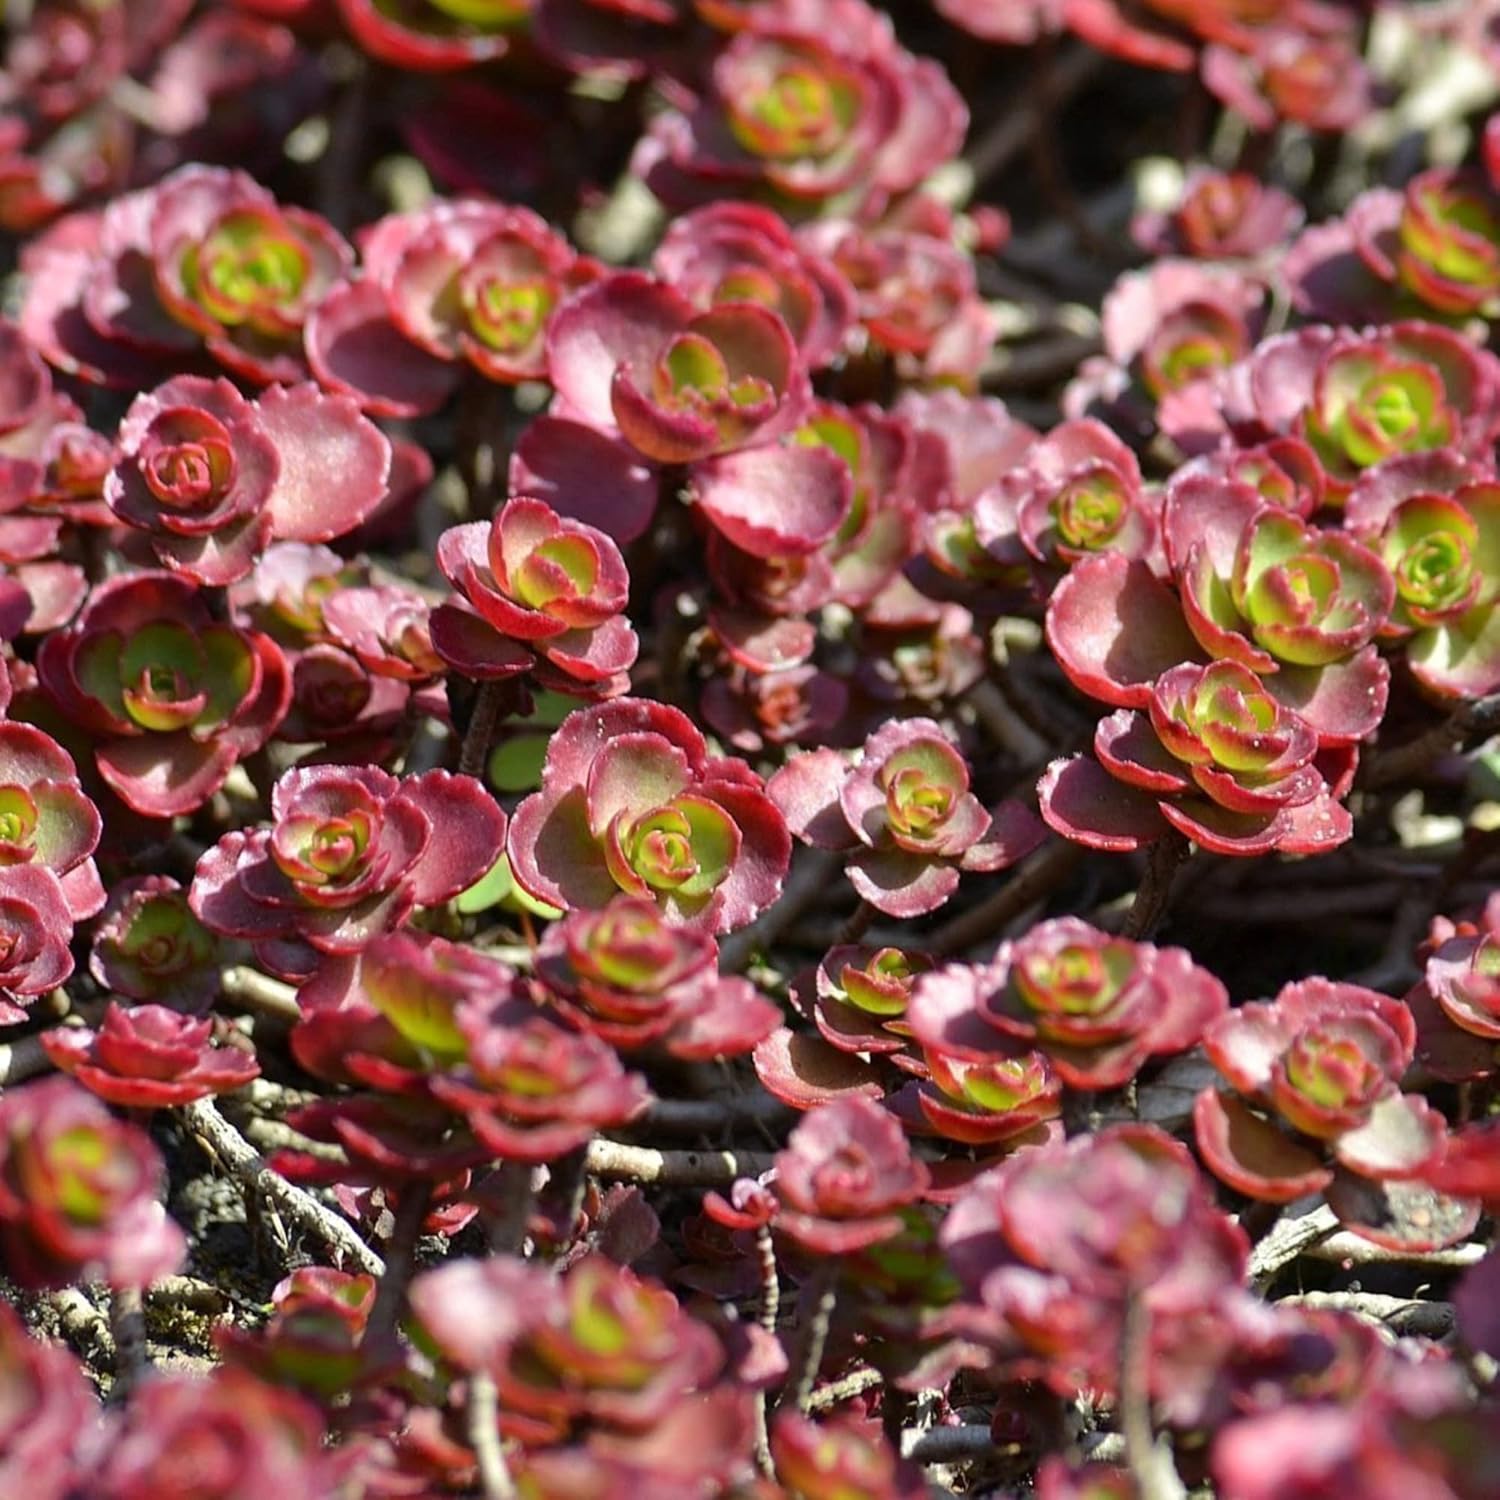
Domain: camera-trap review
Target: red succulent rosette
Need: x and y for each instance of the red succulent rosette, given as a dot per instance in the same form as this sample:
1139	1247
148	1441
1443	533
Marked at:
1299	603
627	975
50	1414
598	1345
840	1457
846	1171
1220	216
531	576
173	697
1362	399
905	812
1008	1101
1170	331
1098	1006
858	997
753	710
149	946
457	283
196	471
46	818
1057	1242
1312	1073
916	296
387	627
311	1341
205	258
78	1192
963	445
350	852
1283	471
1434	519
1215	757
434	36
149	1057
808	105
1457	1001
634	355
632	801
530	1090
337	700
743	252
1431	249
36	928
386	1017
238	1437
1305	75
214	479
241	270
1076	491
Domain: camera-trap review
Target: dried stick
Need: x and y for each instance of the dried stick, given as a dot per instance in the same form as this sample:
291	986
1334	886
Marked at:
1288	1239
257	991
814	1339
249	1168
127	1325
618	1162
1150	1463
484	1438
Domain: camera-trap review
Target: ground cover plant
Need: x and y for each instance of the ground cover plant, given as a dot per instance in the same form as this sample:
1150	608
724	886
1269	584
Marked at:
748	748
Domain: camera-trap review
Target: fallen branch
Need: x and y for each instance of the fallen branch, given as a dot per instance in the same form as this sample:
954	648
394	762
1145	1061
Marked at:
250	1169
618	1162
1288	1239
846	1388
1401	1315
127	1326
257	991
1346	1248
947	1445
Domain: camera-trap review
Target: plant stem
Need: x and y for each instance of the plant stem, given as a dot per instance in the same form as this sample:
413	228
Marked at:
858	923
1035	878
127	1324
770	1281
1402	763
400	1259
1154	895
814	1339
257	991
807	884
1150	1465
484	1438
481	731
506	1223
